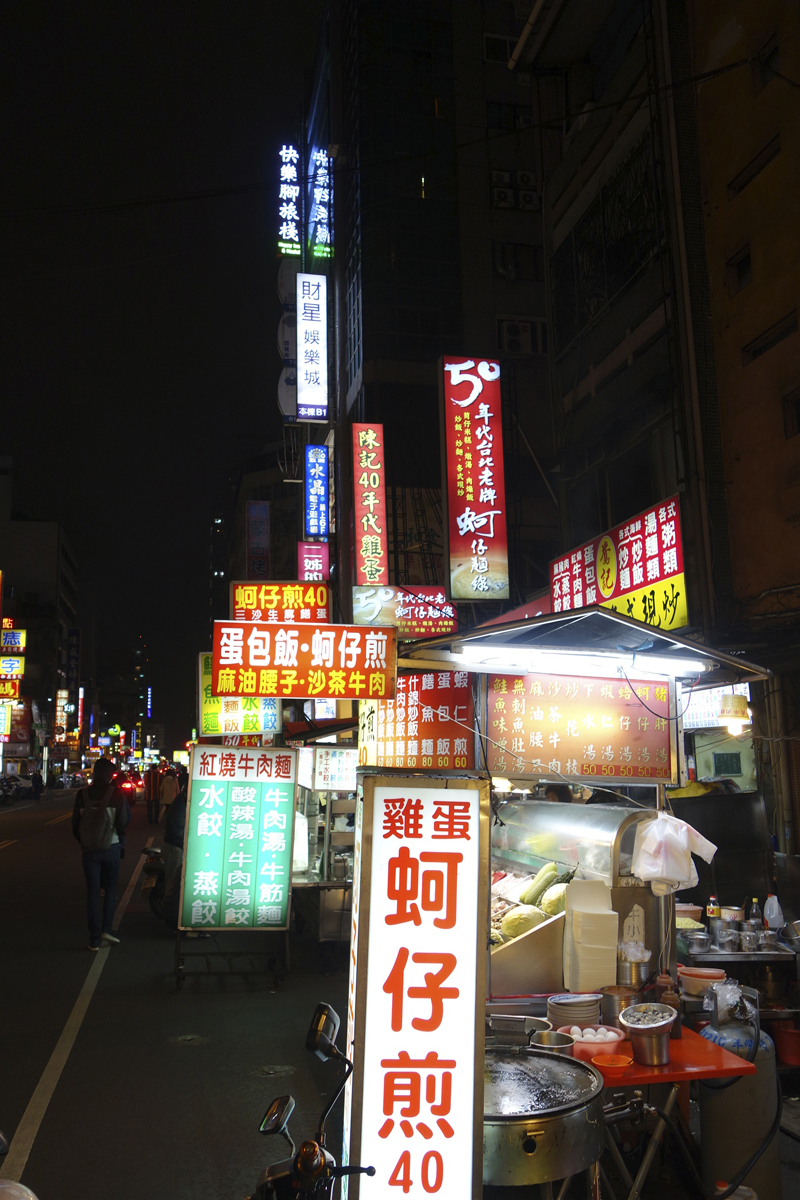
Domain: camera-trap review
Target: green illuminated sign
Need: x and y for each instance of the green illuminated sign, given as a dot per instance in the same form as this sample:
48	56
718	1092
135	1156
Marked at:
237	870
233	715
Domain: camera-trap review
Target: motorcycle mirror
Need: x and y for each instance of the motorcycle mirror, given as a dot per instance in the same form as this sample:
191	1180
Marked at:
3	1145
276	1118
324	1030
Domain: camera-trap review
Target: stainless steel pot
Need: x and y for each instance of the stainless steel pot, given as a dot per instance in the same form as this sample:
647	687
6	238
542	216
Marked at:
543	1116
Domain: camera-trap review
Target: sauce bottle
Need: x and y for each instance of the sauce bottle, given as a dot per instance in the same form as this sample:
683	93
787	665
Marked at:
712	908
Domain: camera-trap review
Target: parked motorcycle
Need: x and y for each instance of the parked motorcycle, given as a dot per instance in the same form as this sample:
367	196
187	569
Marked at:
9	1188
312	1170
154	881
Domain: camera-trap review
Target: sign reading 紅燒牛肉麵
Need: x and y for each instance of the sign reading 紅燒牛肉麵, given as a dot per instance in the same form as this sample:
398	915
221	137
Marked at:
237	868
560	726
304	661
291	603
635	569
234	716
428	726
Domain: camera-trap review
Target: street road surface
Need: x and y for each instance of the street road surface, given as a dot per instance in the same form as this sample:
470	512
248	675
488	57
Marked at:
162	1091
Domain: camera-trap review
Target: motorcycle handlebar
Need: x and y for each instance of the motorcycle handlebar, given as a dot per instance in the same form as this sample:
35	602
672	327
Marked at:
338	1172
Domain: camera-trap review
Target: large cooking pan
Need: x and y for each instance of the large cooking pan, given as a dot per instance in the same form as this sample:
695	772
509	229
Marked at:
543	1116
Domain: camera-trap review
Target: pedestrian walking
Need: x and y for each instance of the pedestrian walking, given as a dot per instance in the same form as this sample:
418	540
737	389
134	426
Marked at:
151	782
174	837
99	819
37	783
168	791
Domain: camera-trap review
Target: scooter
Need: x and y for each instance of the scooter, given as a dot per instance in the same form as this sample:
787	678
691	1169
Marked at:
9	1188
312	1170
154	881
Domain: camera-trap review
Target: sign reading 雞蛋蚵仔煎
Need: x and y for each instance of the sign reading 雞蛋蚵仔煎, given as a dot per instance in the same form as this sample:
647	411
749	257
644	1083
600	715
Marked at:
237	869
635	569
562	725
416	610
428	725
472	447
316	492
304	661
234	716
369	505
289	602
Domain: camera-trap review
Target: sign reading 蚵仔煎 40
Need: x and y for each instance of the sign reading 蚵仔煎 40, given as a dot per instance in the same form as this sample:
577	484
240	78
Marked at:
237	868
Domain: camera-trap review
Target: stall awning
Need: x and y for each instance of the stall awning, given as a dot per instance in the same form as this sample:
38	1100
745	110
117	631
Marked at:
591	641
306	733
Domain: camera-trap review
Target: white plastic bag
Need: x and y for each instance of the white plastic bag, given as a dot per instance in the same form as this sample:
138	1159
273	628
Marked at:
663	850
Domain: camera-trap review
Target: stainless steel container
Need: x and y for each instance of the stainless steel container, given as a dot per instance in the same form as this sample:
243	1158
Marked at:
748	940
768	939
790	933
613	1002
728	939
717	924
697	942
549	1039
751	926
650	1043
543	1117
632	974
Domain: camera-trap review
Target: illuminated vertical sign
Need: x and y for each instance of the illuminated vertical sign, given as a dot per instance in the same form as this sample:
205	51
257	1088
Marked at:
62	700
313	561
474	483
73	671
257	539
320	216
316	506
312	348
149	703
80	712
369	503
288	197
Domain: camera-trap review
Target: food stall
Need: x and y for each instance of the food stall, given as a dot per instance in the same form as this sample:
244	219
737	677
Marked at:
324	833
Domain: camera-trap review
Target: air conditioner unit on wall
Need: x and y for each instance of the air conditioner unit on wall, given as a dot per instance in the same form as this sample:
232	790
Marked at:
526	179
503	197
529	201
517	337
501	178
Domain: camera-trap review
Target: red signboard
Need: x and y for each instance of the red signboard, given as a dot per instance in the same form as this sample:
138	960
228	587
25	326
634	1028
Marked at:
475	479
305	661
313	560
369	504
635	569
9	689
428	725
556	725
258	539
540	606
416	610
8	622
290	603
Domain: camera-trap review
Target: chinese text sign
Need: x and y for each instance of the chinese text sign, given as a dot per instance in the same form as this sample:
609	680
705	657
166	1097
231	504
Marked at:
12	667
554	725
73	674
316	505
416	611
319	221
635	569
428	725
312	348
306	661
369	505
234	716
291	603
288	202
9	689
475	480
313	560
257	539
335	769
238	862
12	641
419	1069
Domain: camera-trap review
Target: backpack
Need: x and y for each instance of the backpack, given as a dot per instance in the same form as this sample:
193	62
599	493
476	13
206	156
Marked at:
97	822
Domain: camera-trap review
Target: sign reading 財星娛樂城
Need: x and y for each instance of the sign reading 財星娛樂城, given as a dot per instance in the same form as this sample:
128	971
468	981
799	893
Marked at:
635	569
319	221
257	539
12	641
416	610
474	484
313	560
316	492
288	202
303	661
312	348
237	869
428	725
230	716
289	602
369	505
562	725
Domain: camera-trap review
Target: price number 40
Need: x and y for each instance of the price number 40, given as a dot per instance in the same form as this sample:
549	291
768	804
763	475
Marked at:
431	1172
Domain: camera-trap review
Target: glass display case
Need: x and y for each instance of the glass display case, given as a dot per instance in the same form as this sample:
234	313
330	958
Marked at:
324	834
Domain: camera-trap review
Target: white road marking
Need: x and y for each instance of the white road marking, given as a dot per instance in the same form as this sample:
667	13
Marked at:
21	808
22	1142
9	842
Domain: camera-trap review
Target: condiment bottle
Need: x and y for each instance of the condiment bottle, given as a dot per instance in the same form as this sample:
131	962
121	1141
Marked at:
773	913
663	983
712	908
755	911
672	998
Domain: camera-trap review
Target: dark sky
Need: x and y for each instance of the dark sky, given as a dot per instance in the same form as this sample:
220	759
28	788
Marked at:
139	343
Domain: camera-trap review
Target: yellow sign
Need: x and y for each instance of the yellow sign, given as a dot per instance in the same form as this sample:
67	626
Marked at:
12	666
662	604
219	715
606	566
13	641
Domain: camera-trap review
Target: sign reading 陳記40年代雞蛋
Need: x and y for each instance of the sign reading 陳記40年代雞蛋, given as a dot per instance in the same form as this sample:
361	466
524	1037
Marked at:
237	870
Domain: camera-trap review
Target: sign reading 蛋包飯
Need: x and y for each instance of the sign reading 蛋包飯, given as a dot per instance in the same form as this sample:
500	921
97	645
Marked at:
234	715
316	492
635	569
288	202
237	869
303	661
289	602
369	505
474	483
312	348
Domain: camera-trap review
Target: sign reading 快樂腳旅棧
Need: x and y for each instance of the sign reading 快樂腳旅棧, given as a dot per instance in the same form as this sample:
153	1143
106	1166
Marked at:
291	603
474	484
428	725
289	223
635	569
237	869
369	505
560	726
234	716
416	610
312	348
303	661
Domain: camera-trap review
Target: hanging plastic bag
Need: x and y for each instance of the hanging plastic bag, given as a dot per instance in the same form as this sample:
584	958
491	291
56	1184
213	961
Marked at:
662	853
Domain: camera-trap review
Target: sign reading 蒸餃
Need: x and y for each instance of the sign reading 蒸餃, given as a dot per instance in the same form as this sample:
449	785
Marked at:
288	197
12	641
291	603
428	725
635	569
562	725
303	661
237	869
313	560
474	483
416	610
312	348
316	491
335	769
417	1100
234	716
369	505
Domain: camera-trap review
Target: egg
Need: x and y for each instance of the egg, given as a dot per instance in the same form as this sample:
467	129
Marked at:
575	1031
589	1035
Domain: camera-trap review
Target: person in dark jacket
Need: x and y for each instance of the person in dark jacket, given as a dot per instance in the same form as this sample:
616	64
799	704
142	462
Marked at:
101	863
37	783
174	838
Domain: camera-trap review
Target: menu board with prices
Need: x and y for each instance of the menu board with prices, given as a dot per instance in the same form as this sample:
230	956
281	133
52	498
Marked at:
234	716
237	870
292	603
562	725
428	725
416	611
335	769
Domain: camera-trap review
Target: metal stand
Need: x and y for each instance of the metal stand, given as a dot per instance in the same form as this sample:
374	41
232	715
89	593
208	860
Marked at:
229	956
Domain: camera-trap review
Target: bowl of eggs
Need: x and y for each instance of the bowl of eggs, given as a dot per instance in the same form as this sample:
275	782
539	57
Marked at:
595	1039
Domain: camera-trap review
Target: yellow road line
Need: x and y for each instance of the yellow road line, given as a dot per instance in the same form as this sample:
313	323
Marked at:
55	821
10	842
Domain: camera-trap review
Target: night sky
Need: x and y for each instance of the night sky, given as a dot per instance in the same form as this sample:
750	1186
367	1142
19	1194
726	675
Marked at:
139	340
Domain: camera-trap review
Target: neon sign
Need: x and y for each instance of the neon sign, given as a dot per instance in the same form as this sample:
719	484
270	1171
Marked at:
316	522
288	195
312	348
321	207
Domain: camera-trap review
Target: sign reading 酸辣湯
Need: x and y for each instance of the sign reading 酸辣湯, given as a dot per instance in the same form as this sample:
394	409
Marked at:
237	868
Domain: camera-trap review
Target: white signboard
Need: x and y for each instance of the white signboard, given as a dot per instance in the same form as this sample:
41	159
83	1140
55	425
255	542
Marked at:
312	348
335	769
702	711
416	1118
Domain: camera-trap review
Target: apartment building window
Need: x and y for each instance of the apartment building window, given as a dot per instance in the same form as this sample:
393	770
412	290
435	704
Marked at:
791	413
769	338
515	261
767	64
738	270
507	116
497	48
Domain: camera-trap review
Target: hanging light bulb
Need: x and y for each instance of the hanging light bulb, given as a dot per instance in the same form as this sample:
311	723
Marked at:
734	713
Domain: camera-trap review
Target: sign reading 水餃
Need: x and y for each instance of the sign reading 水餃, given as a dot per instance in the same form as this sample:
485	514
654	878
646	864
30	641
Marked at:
234	716
237	869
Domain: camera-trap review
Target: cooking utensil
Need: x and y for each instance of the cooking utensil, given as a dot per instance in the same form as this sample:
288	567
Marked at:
632	974
613	1002
790	933
717	924
549	1039
543	1116
748	941
732	914
612	1064
697	942
768	939
649	1043
728	939
751	926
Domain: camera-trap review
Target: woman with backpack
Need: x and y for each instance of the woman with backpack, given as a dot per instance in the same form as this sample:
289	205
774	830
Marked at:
99	820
